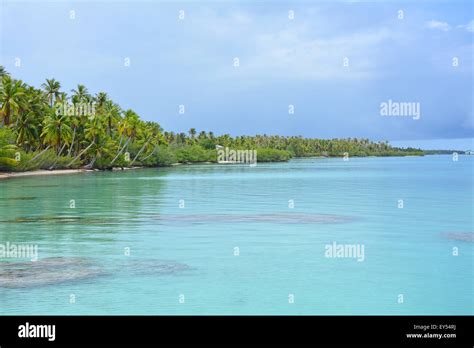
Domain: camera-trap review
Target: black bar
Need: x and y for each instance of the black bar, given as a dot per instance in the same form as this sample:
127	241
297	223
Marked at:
225	330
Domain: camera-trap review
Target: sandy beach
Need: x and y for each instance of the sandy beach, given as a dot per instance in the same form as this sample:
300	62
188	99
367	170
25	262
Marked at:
42	172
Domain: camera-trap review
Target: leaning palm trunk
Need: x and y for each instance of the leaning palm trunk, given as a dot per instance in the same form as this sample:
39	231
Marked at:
90	165
72	142
75	158
61	150
58	157
120	152
151	154
139	152
38	155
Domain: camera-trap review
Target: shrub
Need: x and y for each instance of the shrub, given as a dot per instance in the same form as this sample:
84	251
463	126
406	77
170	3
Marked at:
45	160
8	158
162	156
272	155
194	153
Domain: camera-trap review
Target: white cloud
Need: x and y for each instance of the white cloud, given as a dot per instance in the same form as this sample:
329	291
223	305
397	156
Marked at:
469	26
292	53
270	47
438	25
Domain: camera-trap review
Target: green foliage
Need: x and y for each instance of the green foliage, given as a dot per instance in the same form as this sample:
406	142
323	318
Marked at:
272	155
35	119
104	163
163	156
207	144
121	161
8	151
194	153
8	155
44	160
7	137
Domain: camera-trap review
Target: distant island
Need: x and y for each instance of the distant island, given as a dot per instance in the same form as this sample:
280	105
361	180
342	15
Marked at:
446	152
48	129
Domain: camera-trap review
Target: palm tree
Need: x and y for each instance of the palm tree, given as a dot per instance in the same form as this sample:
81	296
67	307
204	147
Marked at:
95	134
97	150
80	95
56	129
101	99
11	98
148	137
94	129
202	135
112	113
128	127
169	137
3	72
33	113
27	130
62	97
181	138
51	88
192	134
74	125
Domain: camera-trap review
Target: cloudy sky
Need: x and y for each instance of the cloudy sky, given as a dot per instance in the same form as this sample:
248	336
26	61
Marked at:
402	56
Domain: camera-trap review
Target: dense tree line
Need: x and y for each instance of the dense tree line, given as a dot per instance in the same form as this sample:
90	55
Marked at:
49	128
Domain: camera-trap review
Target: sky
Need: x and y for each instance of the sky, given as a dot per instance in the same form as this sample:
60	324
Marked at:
333	62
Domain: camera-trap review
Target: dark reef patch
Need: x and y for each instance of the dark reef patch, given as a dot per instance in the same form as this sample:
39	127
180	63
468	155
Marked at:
46	271
276	218
462	236
63	219
57	270
21	198
153	267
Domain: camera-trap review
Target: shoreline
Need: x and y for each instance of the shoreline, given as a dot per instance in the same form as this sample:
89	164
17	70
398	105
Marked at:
44	172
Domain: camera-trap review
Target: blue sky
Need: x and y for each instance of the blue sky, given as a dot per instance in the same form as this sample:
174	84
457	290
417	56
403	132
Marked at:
282	62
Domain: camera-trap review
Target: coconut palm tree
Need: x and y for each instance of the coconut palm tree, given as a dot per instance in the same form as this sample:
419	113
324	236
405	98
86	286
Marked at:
192	134
3	72
51	88
27	130
36	106
74	126
62	97
98	149
11	98
148	138
80	95
94	129
112	114
56	130
127	127
95	134
101	98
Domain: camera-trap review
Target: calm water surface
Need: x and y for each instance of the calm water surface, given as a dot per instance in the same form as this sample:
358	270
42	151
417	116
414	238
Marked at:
223	240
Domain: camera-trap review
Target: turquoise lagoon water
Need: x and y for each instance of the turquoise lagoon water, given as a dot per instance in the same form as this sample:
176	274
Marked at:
183	260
